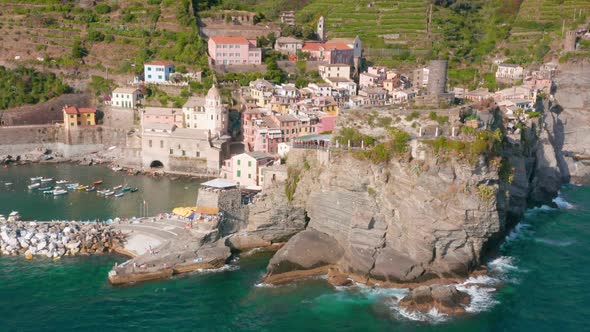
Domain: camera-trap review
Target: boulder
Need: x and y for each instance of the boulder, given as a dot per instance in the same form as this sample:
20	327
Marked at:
444	298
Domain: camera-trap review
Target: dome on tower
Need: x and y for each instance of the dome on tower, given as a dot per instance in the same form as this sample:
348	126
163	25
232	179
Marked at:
213	93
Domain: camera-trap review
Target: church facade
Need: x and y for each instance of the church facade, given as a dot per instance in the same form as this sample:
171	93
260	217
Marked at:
198	144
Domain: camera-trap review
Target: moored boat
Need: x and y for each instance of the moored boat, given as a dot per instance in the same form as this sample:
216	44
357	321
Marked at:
82	187
134	190
8	184
45	188
46	180
117	187
62	181
72	186
125	189
34	185
36	179
59	192
96	183
91	189
121	194
48	192
109	193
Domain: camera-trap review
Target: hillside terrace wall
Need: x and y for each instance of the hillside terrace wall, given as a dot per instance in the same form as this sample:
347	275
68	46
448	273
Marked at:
48	112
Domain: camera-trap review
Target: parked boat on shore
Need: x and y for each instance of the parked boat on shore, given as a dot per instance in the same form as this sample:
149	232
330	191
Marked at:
14	216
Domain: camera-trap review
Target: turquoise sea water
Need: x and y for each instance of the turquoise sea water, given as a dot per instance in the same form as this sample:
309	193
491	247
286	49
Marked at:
160	193
543	269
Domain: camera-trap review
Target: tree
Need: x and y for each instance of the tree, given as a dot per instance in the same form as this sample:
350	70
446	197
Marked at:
78	50
102	8
96	36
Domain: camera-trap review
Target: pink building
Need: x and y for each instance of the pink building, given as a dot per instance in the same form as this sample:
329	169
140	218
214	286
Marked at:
332	53
234	51
162	115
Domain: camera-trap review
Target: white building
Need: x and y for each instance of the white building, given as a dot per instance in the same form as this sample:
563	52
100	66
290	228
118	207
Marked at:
420	78
509	71
158	71
125	97
246	168
207	113
288	45
334	70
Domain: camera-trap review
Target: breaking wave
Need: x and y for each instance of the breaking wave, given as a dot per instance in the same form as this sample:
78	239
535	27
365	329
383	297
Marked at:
555	243
562	203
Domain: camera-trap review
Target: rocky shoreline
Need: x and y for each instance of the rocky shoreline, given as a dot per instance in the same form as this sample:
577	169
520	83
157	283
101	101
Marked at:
58	239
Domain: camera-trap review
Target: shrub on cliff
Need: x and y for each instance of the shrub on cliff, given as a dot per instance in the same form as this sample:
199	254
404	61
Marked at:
27	86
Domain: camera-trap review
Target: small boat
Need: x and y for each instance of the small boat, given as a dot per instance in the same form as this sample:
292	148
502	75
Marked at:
2	218
96	183
101	192
125	189
46	179
59	192
34	185
117	187
36	179
82	187
109	193
91	189
134	190
72	186
121	194
62	181
117	168
45	188
48	192
8	184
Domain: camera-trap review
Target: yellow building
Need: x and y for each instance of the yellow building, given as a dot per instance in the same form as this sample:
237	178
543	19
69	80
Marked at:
79	117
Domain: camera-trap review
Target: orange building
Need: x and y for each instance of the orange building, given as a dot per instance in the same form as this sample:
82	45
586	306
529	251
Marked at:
78	117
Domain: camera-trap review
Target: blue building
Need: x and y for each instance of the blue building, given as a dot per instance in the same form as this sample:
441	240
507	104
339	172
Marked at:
158	71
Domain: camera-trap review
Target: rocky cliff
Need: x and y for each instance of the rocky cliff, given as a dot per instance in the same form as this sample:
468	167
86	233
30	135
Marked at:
395	222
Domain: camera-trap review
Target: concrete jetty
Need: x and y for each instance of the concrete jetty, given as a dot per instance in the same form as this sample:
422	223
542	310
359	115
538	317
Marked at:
164	247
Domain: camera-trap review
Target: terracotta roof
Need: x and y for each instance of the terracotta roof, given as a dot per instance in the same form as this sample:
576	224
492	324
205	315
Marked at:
160	63
76	110
326	46
229	40
338	46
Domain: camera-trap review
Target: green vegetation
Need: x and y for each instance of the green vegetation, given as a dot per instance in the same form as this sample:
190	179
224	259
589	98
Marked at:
27	86
438	118
487	142
291	183
375	151
355	138
100	85
413	116
486	192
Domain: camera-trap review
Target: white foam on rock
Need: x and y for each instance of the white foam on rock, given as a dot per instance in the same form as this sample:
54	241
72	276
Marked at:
562	203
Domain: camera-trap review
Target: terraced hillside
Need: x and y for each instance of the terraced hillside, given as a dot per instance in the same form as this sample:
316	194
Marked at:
537	17
118	36
378	22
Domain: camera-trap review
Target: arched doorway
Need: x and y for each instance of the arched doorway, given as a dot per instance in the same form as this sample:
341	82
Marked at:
156	164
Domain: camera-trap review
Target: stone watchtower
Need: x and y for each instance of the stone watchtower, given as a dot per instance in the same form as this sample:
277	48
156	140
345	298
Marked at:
437	77
569	42
321	31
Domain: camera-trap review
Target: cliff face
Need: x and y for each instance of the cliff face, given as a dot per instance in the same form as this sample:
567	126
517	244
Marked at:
406	222
400	222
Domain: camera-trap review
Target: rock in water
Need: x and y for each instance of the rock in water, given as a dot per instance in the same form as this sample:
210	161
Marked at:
444	298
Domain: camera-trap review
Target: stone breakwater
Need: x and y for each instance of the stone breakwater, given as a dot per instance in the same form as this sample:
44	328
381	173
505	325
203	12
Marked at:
57	239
